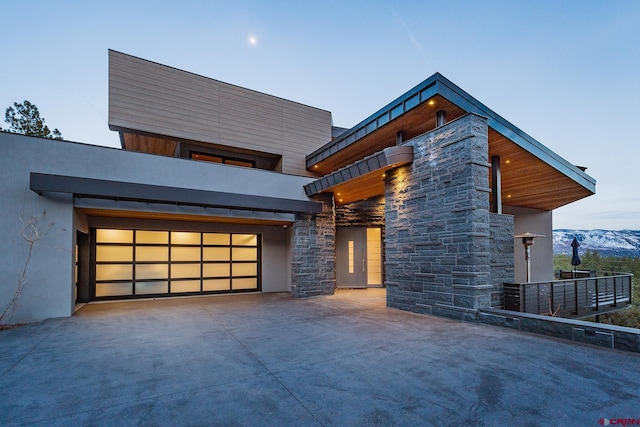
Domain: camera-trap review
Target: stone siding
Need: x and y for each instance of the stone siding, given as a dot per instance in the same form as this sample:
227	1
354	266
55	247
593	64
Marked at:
365	213
437	223
313	247
610	336
502	259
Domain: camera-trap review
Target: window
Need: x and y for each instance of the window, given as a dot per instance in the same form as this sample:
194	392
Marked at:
222	159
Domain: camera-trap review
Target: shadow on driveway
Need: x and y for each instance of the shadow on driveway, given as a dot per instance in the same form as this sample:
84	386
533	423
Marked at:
268	359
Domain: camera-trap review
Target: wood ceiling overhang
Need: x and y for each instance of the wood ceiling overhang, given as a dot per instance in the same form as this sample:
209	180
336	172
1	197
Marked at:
146	143
362	179
532	175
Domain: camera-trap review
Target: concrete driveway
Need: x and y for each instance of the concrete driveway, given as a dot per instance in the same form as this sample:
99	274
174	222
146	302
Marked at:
267	359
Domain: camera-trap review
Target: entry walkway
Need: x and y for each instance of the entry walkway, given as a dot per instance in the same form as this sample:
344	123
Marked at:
267	359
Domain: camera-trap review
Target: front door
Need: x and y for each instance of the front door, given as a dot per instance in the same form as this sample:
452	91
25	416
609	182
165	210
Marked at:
358	257
350	257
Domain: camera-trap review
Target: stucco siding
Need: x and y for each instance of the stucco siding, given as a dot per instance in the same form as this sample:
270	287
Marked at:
534	221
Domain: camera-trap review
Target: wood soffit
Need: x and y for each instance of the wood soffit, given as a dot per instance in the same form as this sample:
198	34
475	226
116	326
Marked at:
528	181
149	144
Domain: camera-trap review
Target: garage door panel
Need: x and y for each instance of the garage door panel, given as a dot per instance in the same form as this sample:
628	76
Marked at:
216	239
185	238
114	289
114	272
239	284
152	253
151	271
147	288
216	285
114	253
158	237
182	286
244	254
216	254
216	270
186	253
185	271
245	269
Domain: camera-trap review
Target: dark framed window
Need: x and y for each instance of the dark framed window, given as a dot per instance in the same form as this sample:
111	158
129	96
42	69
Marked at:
222	159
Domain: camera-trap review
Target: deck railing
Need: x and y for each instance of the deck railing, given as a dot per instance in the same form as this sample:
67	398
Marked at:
576	297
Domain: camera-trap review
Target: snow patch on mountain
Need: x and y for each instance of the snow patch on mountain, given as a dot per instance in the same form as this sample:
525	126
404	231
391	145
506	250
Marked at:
605	242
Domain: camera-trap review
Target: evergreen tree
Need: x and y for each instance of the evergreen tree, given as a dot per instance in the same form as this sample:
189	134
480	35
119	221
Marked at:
25	119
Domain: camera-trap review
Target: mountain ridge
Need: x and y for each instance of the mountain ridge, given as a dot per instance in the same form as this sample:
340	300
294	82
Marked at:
617	243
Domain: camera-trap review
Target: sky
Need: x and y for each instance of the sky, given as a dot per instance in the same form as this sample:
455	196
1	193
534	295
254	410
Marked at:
565	72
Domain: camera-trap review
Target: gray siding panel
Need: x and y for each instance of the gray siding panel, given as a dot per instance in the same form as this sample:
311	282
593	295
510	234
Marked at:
149	97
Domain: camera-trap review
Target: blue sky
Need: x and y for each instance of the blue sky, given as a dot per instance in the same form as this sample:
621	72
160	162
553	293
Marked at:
565	72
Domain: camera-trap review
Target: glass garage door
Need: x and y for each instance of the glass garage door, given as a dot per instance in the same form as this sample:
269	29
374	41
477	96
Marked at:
138	263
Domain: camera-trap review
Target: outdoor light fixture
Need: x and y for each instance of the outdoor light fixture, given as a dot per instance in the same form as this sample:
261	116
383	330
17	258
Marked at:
527	241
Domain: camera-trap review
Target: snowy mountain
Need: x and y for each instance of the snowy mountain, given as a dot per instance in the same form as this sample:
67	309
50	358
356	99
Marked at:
605	242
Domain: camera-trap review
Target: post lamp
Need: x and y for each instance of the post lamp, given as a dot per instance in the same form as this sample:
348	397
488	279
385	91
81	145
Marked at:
527	241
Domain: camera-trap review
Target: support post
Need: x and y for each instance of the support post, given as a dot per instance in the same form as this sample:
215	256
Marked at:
496	187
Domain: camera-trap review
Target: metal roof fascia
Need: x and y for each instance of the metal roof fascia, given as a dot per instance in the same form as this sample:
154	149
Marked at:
311	158
397	155
42	183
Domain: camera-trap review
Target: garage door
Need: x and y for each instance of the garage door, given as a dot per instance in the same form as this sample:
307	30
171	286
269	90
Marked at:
143	263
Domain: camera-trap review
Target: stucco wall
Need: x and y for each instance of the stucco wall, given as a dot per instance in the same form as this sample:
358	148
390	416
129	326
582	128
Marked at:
49	290
49	273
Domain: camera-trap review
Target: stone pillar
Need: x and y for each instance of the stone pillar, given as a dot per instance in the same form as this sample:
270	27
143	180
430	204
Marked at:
502	259
437	255
313	251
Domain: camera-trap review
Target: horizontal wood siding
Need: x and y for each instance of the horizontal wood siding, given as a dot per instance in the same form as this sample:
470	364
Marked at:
149	97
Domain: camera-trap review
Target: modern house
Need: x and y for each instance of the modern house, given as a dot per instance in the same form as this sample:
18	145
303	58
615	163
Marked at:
221	189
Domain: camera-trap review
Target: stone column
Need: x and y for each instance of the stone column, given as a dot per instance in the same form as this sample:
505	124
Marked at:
437	223
313	251
502	259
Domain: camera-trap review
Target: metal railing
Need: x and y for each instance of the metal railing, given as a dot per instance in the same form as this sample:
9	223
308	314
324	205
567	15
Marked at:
576	297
